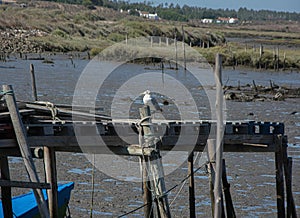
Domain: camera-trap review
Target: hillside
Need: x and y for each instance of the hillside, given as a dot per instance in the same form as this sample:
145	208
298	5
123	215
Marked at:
48	26
44	26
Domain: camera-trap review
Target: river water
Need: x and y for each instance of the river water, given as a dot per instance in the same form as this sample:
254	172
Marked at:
56	83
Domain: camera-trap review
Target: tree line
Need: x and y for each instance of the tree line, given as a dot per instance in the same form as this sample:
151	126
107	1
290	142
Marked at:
185	13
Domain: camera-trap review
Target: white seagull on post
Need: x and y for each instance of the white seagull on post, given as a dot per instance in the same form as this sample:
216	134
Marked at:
149	100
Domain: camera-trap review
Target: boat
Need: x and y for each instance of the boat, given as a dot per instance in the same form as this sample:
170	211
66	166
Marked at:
25	206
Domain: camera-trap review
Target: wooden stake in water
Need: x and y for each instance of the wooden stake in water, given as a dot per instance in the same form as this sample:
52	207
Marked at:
24	147
183	45
33	83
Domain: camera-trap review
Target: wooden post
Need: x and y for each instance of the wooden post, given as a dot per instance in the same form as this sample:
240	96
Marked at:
183	46
284	60
33	83
6	191
211	153
156	168
292	211
147	195
148	212
277	58
254	86
191	185
219	140
279	178
51	177
261	51
226	187
287	166
24	148
151	38
176	53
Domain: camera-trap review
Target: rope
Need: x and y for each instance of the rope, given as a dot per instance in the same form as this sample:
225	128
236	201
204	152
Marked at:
53	109
181	188
175	186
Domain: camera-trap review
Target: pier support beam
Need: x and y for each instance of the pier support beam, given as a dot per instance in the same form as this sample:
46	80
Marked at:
6	191
155	166
279	178
51	177
191	185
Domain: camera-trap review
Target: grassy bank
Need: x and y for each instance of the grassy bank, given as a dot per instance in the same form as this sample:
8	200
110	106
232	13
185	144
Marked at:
53	27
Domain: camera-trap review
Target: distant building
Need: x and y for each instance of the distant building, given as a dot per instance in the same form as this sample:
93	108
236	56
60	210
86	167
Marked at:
233	20
149	16
227	20
207	20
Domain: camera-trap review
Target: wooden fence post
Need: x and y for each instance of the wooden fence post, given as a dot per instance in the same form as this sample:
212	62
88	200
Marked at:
24	148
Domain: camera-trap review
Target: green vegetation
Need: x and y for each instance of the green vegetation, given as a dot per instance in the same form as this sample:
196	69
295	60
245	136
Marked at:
185	13
235	55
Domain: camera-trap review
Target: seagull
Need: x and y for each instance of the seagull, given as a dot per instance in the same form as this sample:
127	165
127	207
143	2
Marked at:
149	100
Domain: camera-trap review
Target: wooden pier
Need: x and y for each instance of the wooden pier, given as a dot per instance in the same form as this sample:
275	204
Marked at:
49	128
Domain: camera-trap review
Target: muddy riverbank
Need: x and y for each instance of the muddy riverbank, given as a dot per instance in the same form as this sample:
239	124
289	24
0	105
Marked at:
251	175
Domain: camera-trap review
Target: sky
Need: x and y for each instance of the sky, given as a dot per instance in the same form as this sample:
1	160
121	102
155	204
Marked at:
276	5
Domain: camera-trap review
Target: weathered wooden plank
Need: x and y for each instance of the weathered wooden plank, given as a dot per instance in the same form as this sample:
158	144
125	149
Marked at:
20	184
23	112
241	143
63	111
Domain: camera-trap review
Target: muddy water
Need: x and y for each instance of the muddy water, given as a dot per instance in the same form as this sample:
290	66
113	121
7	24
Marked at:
251	175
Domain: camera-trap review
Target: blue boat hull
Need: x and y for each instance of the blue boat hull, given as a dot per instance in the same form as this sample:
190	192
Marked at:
24	206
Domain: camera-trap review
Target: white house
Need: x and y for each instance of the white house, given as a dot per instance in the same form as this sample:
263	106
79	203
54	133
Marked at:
206	20
148	15
233	20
